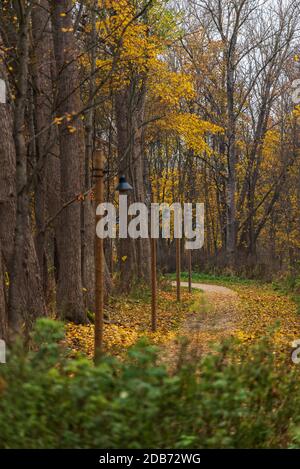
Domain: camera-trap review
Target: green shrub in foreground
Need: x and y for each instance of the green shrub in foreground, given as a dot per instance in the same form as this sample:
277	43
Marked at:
48	400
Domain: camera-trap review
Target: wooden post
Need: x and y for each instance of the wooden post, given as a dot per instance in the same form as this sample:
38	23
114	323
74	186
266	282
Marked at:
99	259
190	269
178	268
153	284
111	258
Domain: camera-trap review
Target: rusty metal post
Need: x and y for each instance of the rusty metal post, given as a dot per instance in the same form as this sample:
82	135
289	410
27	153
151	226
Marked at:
153	285
190	269
99	258
178	268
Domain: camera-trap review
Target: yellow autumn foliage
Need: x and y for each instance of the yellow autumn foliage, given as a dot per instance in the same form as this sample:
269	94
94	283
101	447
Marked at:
192	129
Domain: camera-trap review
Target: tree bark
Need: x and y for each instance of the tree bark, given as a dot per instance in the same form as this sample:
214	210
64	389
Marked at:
26	299
88	209
231	155
129	109
46	135
72	150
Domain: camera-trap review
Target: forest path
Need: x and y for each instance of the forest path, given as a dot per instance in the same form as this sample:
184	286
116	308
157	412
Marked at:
247	312
213	312
206	288
213	317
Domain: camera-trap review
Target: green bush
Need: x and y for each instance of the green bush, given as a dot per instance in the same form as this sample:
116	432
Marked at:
229	400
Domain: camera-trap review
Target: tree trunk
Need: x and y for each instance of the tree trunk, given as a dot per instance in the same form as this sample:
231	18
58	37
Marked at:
231	157
88	209
126	252
72	151
46	134
26	300
134	255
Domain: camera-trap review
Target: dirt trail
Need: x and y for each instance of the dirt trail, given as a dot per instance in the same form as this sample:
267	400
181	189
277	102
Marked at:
213	317
217	289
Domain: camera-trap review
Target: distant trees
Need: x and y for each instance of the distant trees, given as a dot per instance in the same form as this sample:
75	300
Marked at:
190	100
242	59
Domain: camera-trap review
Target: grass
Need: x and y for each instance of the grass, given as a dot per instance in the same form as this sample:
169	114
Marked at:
200	277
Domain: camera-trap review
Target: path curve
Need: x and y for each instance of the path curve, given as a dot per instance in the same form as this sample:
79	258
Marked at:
213	317
207	288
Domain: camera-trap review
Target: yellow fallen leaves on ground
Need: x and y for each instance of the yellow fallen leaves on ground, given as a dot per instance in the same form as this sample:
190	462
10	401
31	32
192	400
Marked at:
203	319
129	320
253	313
262	309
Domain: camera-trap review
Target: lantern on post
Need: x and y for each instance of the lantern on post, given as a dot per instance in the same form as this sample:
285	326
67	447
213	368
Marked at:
123	188
123	185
